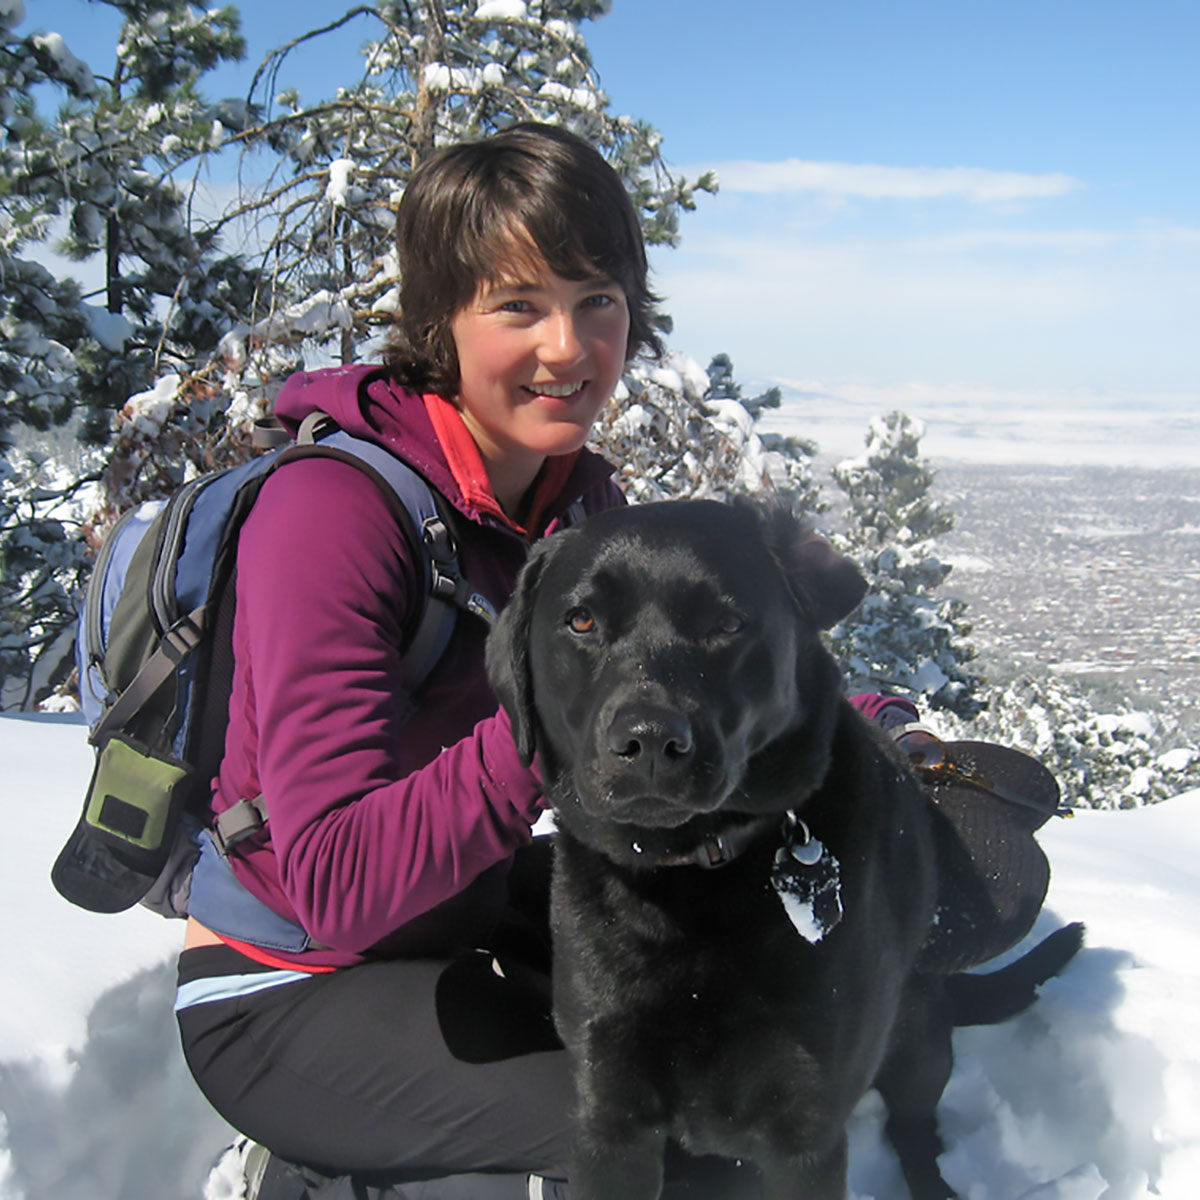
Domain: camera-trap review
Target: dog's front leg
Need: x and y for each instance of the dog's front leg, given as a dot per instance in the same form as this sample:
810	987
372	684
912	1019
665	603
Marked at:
620	1119
911	1081
606	1165
808	1178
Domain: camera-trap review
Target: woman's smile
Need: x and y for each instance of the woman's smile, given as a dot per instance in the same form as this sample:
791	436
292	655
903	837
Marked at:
557	391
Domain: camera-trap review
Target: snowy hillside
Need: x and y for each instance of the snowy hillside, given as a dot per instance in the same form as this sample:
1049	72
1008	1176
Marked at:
1093	1093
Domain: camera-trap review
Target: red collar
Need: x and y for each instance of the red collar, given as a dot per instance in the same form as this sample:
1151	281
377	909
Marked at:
470	474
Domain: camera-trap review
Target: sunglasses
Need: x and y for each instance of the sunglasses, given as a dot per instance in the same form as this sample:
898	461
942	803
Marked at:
938	763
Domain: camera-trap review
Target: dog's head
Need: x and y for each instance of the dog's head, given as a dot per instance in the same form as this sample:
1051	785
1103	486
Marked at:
664	662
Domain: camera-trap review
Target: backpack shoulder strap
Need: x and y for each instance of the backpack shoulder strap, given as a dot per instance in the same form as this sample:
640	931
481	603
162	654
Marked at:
427	525
574	514
179	640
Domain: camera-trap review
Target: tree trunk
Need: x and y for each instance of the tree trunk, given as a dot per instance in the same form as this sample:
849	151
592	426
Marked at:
112	266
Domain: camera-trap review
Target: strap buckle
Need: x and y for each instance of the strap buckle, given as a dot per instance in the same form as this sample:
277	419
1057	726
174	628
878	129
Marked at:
238	822
447	581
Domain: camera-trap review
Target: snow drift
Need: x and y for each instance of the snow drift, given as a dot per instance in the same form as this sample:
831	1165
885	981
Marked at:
1090	1095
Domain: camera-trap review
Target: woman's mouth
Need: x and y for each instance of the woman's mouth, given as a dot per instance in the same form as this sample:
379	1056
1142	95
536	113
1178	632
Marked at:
556	391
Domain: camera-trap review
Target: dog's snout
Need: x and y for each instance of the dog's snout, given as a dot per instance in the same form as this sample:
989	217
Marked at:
651	739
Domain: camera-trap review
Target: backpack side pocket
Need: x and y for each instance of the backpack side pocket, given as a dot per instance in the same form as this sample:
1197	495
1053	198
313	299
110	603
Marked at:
134	803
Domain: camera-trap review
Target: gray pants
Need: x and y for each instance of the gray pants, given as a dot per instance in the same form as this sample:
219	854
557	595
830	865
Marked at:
401	1079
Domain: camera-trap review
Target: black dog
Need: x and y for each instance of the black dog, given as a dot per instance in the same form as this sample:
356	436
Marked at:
664	663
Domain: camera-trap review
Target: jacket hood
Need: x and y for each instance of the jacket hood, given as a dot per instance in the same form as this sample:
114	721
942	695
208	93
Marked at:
337	391
364	401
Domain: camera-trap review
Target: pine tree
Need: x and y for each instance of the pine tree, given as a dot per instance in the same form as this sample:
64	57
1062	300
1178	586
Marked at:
788	460
675	434
103	172
434	72
115	169
38	320
328	173
326	177
41	559
1100	759
904	638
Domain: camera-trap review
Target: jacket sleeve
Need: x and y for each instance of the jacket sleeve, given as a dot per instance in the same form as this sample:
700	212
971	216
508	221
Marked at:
364	840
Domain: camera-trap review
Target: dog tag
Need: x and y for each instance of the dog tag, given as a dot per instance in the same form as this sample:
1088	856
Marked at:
807	880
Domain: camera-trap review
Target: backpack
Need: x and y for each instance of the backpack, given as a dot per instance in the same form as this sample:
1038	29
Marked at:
155	658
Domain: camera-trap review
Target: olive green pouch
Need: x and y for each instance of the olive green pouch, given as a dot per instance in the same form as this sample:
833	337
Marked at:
134	802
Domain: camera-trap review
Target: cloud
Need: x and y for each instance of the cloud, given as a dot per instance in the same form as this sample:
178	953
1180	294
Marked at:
773	282
873	182
1149	237
1065	241
1008	308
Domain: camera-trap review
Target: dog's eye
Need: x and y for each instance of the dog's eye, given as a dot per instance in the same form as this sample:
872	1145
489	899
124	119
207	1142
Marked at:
579	620
730	622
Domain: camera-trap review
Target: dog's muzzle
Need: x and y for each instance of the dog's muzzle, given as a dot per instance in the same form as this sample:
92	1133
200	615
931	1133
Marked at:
651	765
650	742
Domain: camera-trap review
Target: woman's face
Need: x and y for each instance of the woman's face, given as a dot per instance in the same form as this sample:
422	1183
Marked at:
539	356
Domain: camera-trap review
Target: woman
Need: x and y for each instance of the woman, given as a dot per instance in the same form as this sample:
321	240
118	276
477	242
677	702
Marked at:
405	1033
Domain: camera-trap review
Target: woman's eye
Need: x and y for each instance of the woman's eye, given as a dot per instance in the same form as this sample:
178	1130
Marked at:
599	300
515	306
579	620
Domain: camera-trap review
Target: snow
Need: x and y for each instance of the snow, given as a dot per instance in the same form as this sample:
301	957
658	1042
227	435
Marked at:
579	97
1137	724
314	316
148	411
565	30
993	424
501	10
43	758
1177	760
441	78
1092	1093
809	886
927	678
389	302
76	73
340	172
968	564
95	1099
111	330
803	916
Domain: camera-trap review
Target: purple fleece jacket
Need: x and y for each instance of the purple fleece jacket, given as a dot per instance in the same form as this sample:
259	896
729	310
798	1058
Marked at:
389	832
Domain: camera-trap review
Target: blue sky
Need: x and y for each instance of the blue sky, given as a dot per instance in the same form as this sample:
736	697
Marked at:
919	198
1069	257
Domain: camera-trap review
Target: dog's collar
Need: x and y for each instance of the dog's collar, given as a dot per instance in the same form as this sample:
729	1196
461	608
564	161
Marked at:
722	848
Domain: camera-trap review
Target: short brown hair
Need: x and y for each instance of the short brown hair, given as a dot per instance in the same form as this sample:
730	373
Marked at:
456	226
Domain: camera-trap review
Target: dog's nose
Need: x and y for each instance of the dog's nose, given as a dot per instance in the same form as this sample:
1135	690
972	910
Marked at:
651	739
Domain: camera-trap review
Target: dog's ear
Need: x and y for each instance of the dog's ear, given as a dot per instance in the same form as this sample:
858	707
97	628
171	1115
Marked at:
827	585
508	656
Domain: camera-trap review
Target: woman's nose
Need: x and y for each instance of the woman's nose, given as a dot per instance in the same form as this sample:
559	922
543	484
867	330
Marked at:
562	343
